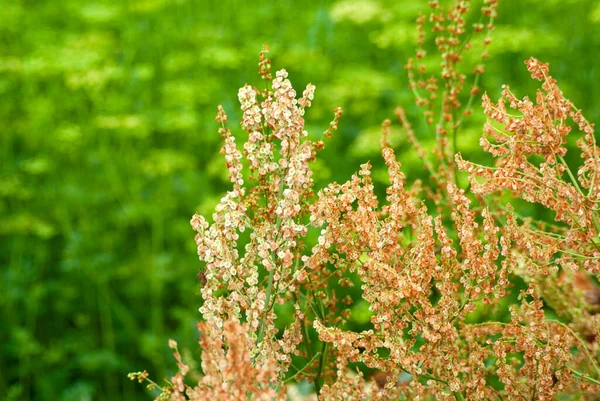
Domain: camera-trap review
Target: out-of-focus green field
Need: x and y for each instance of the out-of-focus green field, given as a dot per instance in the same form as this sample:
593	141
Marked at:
108	145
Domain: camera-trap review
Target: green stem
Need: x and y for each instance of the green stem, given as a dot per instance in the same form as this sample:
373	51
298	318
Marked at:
458	396
467	108
261	331
584	346
583	376
571	176
268	306
303	369
320	370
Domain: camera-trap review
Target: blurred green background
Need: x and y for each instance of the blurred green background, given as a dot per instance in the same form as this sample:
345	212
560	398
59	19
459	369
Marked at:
108	145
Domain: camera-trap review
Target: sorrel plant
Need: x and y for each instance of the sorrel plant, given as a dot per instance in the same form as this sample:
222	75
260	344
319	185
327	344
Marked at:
426	258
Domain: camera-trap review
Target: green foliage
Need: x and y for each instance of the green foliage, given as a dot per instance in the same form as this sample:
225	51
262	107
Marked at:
108	145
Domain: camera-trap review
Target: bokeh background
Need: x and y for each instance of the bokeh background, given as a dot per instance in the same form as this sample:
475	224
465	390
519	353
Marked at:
108	145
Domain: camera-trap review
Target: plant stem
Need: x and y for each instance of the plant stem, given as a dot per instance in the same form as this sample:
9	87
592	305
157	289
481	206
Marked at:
261	332
458	396
303	369
320	370
583	376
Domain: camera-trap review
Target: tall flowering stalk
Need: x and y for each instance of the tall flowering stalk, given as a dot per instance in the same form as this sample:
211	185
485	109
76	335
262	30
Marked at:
439	92
244	279
556	259
245	284
530	147
417	284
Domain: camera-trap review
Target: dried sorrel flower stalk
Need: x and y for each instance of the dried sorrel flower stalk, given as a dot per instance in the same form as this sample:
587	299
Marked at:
439	92
228	371
530	163
243	279
266	271
394	253
421	286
